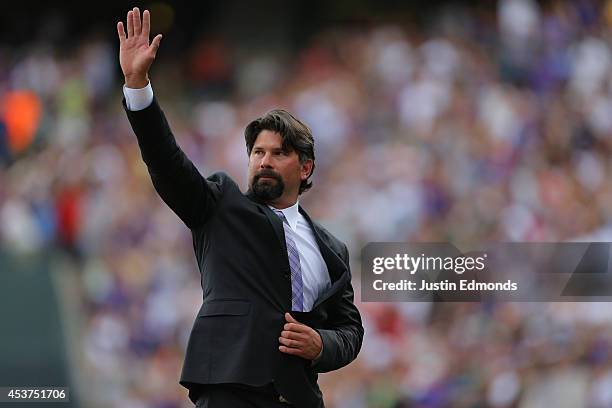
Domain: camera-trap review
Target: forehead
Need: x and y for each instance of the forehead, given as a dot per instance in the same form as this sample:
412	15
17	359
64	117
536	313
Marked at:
268	139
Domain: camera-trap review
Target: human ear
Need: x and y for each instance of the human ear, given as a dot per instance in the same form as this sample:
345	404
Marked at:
306	170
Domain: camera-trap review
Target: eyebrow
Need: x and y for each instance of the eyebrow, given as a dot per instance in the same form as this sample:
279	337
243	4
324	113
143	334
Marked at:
276	149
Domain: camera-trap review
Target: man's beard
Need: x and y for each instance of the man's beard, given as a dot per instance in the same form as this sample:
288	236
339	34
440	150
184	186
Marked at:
267	190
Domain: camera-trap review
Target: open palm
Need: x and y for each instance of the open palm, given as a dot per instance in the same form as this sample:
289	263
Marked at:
135	53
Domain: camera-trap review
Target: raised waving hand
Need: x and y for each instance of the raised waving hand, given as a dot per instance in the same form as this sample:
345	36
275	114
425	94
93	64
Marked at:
136	54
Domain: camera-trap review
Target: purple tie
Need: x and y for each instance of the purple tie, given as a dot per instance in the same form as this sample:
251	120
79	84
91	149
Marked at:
297	286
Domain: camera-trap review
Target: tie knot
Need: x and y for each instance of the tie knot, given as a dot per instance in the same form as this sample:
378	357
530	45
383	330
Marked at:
280	214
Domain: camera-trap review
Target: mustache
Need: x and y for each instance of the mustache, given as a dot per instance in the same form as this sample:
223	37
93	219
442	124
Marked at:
267	173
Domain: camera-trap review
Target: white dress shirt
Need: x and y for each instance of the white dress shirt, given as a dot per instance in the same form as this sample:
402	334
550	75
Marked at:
138	98
315	275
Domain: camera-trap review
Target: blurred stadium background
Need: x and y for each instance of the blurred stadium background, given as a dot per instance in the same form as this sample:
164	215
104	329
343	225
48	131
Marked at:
467	121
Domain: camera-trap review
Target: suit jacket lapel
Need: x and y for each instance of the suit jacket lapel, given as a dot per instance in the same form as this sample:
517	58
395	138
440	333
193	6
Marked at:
338	270
275	221
335	264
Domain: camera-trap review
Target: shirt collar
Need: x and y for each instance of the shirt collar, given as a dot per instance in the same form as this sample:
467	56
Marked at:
291	214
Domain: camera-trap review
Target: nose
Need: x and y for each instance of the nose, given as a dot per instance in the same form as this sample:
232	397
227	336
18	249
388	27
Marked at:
266	161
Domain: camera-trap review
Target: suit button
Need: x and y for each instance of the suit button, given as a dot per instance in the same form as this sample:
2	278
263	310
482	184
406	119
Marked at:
287	276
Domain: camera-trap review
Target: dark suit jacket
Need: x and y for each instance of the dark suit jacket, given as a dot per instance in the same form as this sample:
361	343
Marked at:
240	249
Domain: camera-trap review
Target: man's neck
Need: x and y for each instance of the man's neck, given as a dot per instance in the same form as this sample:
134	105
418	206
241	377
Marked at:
282	204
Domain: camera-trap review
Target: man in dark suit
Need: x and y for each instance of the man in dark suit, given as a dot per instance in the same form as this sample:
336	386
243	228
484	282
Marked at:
277	297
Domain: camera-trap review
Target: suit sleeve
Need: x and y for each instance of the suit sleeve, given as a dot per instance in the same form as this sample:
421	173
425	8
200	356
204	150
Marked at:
174	176
343	335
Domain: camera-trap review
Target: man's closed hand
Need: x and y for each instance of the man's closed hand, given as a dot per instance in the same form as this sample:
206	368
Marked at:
300	340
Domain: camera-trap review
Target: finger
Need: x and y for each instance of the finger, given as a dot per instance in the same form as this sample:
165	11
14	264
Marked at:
137	26
155	44
130	23
296	327
290	318
292	351
294	335
146	23
121	32
291	343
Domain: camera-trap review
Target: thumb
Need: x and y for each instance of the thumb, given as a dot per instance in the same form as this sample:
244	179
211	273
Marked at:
290	318
155	43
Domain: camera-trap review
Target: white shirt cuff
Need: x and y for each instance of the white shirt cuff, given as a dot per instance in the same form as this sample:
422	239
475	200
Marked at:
138	99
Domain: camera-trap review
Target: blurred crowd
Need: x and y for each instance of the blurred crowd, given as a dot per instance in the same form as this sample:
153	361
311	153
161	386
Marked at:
479	127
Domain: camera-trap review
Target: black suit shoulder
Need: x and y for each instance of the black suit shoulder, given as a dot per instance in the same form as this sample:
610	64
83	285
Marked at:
175	178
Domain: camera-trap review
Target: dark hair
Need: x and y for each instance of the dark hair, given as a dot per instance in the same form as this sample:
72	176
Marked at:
295	134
